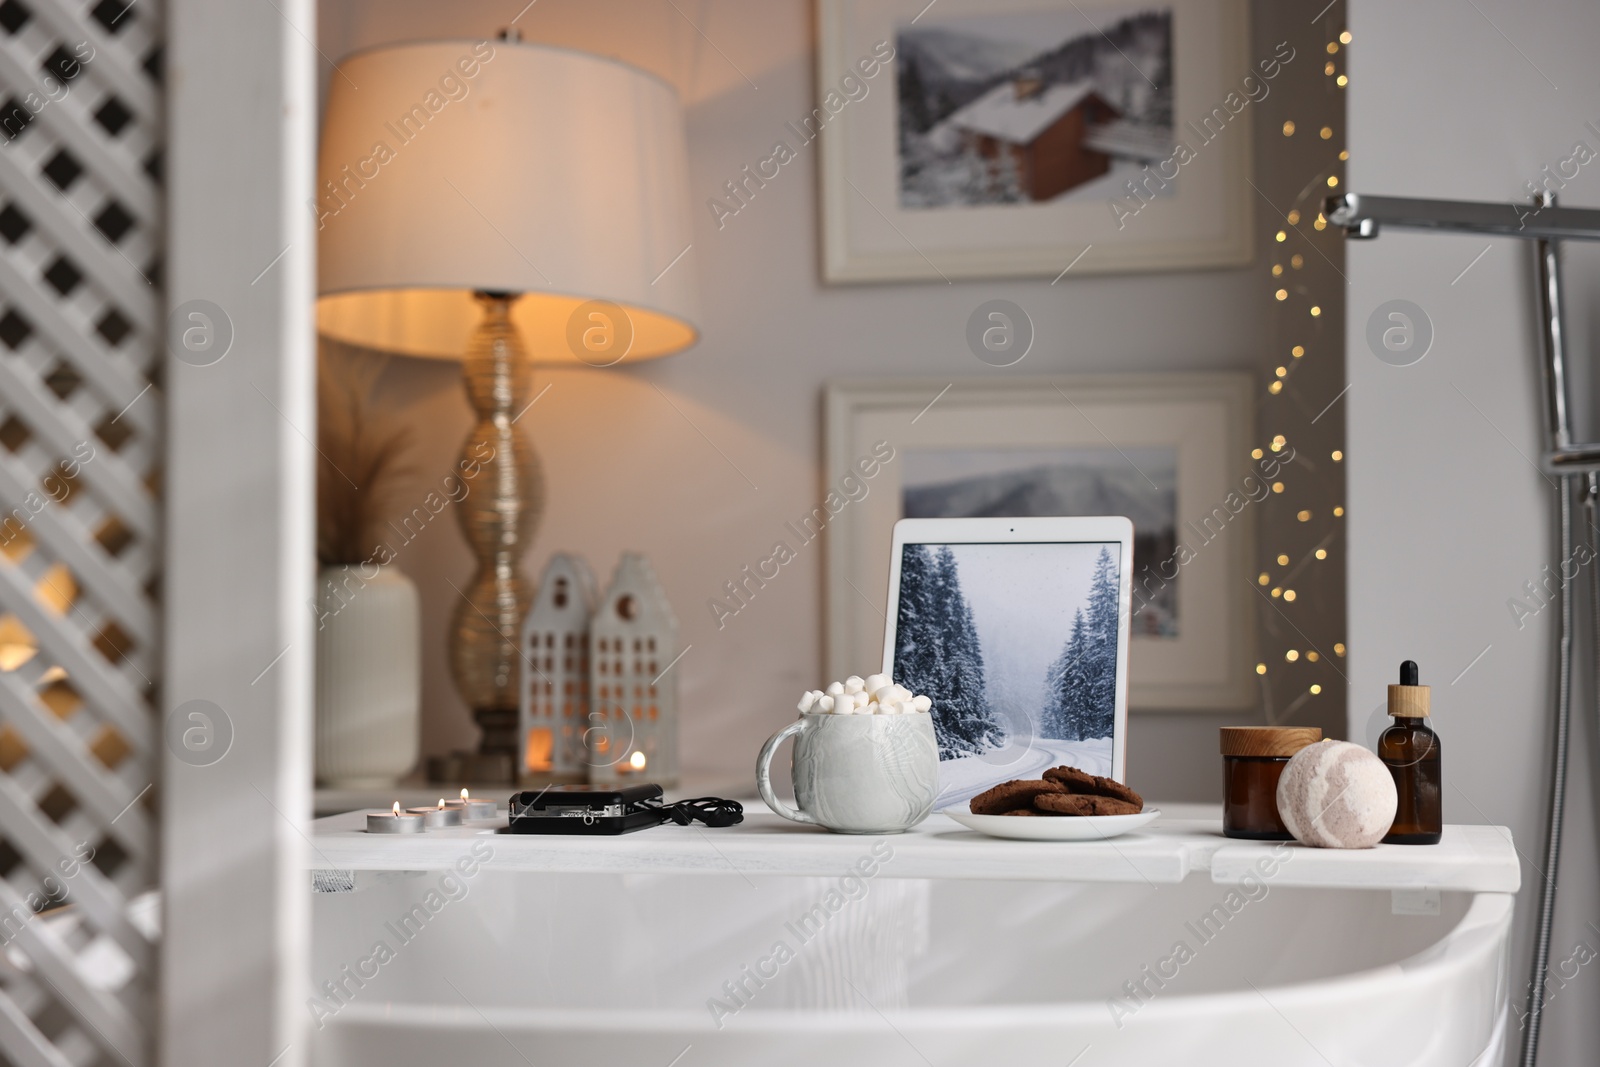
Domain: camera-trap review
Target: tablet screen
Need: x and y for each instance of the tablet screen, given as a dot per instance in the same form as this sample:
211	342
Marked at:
1016	643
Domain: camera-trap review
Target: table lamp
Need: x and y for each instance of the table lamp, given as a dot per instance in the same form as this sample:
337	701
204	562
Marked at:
503	204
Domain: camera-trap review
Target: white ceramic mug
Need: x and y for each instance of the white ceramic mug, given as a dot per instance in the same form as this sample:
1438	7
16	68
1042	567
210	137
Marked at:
857	774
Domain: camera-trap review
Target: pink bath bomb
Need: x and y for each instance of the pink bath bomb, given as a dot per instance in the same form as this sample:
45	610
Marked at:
1334	794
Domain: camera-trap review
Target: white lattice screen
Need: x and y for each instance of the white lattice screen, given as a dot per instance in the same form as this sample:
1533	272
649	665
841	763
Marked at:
80	419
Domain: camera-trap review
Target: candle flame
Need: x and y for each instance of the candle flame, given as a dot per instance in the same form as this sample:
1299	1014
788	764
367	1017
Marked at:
397	808
463	795
637	761
441	803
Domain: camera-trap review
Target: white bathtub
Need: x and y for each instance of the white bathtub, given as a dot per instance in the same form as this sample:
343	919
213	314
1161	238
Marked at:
621	970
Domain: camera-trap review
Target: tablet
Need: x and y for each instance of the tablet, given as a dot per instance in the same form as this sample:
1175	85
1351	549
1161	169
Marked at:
1017	628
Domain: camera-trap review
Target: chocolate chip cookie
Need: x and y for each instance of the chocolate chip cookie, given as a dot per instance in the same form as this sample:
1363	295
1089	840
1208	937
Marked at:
1084	804
1076	781
1009	796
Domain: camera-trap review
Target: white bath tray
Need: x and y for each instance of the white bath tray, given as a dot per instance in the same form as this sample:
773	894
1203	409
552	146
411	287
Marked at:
1469	858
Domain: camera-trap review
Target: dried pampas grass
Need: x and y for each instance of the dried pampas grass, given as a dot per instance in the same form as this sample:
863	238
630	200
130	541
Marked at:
361	461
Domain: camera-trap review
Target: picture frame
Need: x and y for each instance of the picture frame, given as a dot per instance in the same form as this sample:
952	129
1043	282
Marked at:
1170	451
967	152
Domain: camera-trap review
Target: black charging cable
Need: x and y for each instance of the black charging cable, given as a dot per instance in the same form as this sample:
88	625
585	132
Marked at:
713	811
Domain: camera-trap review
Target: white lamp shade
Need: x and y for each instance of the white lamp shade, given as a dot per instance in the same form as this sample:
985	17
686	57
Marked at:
449	167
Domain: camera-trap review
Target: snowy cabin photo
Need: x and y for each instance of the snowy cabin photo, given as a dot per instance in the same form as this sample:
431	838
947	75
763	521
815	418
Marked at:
1026	107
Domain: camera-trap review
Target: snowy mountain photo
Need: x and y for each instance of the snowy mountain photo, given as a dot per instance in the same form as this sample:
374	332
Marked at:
1017	646
1140	483
1028	107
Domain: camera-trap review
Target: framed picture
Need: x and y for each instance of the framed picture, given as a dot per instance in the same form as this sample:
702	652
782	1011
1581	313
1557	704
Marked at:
1028	137
1170	452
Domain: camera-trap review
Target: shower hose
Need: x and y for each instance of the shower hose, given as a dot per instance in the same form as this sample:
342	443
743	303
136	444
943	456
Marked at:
1558	753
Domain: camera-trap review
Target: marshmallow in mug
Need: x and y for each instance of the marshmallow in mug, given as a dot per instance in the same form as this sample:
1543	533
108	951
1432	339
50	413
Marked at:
874	695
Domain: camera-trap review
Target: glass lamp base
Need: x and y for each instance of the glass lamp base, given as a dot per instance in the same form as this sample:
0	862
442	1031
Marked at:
499	516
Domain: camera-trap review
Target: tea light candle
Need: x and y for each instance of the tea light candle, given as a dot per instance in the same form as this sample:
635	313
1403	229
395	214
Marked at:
440	817
394	822
472	809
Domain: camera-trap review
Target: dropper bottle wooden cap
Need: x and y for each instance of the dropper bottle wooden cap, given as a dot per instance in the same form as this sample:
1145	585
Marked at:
1408	700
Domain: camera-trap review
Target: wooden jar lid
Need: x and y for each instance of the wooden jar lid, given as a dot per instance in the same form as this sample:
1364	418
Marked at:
1268	740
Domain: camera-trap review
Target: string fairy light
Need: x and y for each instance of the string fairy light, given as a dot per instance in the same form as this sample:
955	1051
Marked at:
1282	375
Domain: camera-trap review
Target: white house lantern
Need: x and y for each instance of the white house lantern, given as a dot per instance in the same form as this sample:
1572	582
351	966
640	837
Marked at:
554	709
634	693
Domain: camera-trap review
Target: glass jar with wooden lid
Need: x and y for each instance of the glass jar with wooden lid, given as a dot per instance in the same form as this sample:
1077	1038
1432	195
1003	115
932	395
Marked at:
1252	759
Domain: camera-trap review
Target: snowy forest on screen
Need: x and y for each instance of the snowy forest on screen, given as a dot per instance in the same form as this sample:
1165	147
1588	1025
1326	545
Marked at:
984	670
937	652
1081	687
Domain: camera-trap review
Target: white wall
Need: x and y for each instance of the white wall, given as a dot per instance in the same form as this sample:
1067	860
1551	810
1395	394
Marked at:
627	471
233	841
1448	518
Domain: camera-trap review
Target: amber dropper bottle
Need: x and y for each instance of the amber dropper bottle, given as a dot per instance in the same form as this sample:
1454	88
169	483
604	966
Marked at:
1411	751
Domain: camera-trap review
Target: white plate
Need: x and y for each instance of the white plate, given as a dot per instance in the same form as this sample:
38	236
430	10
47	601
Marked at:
1053	827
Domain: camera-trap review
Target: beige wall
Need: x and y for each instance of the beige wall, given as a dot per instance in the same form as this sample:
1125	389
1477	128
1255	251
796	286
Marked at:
657	458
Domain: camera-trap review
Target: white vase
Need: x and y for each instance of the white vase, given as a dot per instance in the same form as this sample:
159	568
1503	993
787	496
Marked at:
369	676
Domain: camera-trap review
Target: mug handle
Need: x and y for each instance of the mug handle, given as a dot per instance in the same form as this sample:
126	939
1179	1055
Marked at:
764	774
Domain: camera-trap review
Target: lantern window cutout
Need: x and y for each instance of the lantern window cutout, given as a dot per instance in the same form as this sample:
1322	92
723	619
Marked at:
554	705
635	738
